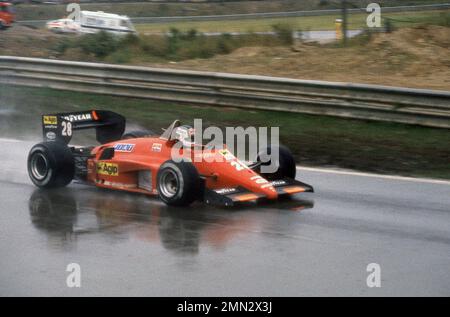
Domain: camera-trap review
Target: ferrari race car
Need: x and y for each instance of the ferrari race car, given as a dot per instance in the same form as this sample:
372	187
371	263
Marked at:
144	162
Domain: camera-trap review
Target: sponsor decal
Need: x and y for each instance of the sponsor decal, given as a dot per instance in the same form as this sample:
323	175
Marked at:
156	147
116	184
109	169
50	135
225	191
264	183
122	147
278	183
51	120
78	117
227	154
200	156
229	157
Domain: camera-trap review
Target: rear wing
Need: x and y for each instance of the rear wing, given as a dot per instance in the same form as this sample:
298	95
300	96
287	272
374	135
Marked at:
109	125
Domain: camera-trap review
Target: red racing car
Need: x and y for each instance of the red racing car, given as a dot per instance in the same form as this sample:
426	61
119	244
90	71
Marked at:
143	162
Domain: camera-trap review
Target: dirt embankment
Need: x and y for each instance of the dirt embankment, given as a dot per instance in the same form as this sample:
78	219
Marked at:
25	41
410	57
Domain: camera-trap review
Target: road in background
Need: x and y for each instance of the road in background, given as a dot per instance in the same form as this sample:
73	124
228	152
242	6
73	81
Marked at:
316	244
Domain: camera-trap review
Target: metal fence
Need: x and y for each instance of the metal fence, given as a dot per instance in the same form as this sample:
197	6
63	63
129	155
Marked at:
369	102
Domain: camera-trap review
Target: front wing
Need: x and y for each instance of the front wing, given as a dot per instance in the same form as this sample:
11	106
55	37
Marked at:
232	196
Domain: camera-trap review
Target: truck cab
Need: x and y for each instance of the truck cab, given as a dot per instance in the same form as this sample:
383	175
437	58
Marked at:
7	16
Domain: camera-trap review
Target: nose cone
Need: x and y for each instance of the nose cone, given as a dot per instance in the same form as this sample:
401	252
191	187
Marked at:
233	173
259	184
270	192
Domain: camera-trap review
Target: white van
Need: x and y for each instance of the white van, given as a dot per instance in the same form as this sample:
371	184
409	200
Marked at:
92	22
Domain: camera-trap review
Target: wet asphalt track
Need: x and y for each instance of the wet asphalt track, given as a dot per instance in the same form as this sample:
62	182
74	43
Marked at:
316	244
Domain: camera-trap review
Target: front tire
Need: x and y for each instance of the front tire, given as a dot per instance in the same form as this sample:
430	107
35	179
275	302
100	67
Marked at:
51	164
285	164
178	183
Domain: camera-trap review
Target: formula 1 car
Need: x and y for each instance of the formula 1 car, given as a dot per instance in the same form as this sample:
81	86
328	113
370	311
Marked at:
146	163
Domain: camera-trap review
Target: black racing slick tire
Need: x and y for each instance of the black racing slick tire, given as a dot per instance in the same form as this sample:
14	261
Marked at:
137	134
285	164
51	164
179	183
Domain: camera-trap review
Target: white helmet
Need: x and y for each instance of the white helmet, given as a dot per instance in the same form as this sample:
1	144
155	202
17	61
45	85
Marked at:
185	134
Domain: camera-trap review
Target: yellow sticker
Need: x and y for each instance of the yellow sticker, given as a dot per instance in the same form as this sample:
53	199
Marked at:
109	169
50	120
227	154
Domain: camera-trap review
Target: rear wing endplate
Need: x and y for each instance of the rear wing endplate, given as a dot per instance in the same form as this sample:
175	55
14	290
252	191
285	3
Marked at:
109	125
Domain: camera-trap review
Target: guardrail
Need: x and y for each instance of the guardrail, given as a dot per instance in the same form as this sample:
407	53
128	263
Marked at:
262	15
369	102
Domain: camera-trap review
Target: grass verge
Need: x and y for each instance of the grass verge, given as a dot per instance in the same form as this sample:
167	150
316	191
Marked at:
314	140
324	22
175	46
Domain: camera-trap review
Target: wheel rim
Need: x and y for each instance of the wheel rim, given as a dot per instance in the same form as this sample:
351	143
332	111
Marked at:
39	166
169	183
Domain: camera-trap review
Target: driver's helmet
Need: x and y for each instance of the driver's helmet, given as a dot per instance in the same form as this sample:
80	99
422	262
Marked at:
185	134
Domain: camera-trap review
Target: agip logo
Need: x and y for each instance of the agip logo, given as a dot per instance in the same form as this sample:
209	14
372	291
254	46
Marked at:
109	169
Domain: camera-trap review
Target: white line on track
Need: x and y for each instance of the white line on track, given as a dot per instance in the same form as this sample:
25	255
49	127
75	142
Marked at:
362	174
10	140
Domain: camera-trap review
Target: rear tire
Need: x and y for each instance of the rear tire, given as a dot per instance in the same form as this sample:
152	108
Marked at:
51	164
137	134
285	163
178	183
